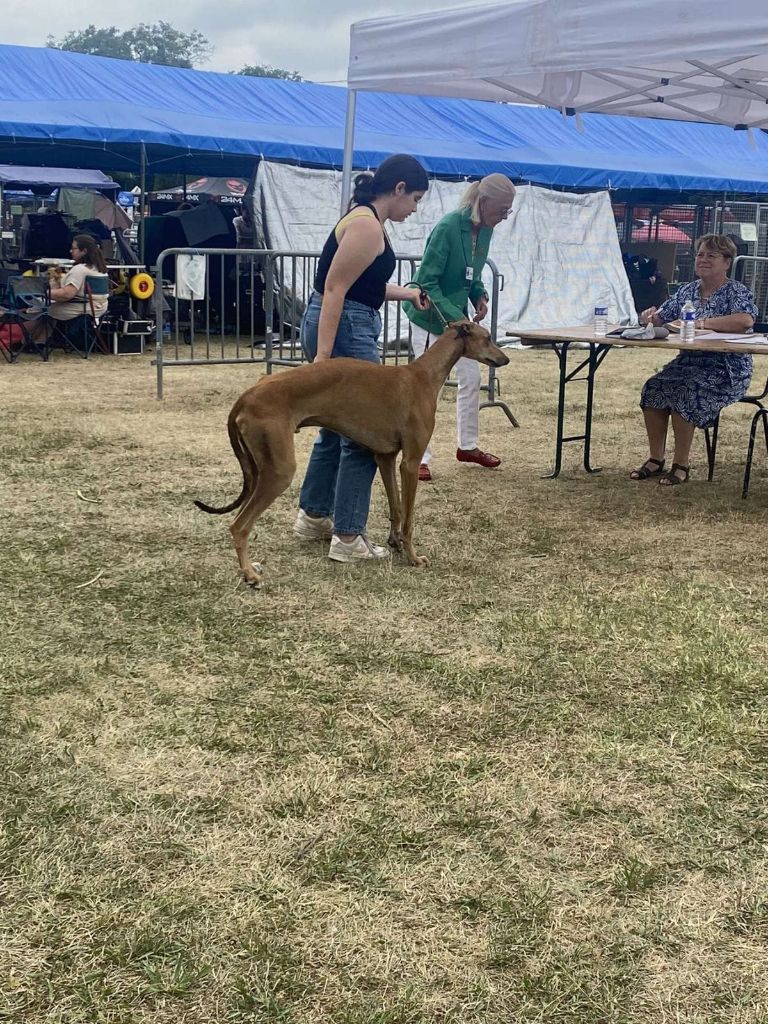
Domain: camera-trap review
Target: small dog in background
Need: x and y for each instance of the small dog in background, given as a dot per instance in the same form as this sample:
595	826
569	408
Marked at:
55	275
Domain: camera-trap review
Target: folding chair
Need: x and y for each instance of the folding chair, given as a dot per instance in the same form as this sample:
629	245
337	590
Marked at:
22	293
81	333
760	414
6	273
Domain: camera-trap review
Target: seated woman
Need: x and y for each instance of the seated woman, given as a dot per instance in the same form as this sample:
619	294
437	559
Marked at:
68	299
695	386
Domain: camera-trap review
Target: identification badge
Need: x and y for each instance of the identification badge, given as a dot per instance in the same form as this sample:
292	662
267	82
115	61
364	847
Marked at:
469	273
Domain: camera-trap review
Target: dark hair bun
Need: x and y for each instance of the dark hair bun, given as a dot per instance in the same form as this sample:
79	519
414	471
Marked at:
363	191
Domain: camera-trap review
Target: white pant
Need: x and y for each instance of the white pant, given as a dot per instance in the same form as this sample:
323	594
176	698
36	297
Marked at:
468	399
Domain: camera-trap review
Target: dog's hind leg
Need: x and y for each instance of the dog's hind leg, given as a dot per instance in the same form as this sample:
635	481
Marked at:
276	465
409	479
388	468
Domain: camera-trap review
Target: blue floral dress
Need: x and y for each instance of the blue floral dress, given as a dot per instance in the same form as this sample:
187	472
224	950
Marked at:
697	385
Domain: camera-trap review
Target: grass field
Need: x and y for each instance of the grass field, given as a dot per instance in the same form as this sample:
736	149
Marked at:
525	784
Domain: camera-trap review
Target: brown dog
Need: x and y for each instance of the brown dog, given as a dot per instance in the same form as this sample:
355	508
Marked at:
386	409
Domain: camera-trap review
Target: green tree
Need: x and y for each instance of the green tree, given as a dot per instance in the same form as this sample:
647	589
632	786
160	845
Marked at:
267	71
101	42
159	43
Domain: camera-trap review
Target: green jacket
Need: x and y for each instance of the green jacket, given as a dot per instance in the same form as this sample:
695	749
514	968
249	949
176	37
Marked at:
443	271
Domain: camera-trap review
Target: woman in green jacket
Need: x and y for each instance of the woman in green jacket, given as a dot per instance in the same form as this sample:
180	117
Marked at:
451	274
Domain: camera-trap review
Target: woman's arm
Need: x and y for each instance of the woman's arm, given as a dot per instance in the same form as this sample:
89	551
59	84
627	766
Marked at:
733	323
65	293
738	311
399	293
667	311
360	244
432	269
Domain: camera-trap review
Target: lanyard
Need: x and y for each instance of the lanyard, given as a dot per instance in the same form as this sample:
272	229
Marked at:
469	272
470	262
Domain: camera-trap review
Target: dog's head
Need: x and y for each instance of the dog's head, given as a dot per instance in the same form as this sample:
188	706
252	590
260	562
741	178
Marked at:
478	344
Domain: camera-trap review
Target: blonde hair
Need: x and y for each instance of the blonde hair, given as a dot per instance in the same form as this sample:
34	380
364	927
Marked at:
493	186
717	243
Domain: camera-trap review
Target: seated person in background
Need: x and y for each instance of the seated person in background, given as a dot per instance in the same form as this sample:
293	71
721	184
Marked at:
68	299
649	287
695	386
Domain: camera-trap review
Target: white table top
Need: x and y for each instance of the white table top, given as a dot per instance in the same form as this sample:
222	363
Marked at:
586	333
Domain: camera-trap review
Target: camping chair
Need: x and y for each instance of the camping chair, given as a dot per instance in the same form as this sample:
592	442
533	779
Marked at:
6	273
21	294
760	414
81	333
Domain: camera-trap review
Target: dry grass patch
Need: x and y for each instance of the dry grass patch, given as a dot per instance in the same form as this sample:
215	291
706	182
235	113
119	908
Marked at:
525	784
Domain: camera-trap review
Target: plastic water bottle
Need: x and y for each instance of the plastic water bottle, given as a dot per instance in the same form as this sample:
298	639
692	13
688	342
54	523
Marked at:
688	322
601	321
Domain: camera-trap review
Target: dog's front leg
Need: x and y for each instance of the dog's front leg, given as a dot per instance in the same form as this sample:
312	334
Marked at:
388	468
409	481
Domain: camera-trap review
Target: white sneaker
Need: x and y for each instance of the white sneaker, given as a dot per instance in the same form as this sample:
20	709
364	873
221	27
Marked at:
356	550
308	528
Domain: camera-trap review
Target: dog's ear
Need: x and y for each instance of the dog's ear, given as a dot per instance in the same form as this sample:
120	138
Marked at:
463	330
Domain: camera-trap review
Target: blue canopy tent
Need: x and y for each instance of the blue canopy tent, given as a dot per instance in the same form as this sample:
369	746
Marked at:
28	181
74	109
31	178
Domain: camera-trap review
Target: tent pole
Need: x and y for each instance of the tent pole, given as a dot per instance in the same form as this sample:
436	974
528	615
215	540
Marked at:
629	216
143	203
349	148
2	236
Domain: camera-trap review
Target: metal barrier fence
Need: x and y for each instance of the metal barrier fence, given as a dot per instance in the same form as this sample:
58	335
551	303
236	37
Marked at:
206	308
207	311
755	276
288	278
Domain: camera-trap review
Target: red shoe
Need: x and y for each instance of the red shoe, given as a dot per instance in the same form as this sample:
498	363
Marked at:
424	474
481	458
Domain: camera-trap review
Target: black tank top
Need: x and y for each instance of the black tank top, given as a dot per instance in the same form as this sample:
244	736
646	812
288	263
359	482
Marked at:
370	287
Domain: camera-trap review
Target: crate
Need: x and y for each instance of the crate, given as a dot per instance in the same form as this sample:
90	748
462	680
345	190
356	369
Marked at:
126	337
142	327
127	344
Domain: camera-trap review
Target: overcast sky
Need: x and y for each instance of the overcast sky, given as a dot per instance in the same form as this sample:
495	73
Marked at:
311	36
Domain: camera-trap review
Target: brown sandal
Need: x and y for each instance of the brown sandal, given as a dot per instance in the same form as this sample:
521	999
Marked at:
671	479
643	473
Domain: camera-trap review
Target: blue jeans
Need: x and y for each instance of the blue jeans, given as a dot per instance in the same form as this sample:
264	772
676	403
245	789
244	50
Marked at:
340	473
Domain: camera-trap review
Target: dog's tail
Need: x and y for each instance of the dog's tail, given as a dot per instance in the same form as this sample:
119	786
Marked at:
247	465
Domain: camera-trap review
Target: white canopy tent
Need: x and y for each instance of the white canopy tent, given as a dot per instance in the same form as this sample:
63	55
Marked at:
658	58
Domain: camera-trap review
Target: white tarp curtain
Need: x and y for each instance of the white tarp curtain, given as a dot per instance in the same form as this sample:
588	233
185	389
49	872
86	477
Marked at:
706	62
558	252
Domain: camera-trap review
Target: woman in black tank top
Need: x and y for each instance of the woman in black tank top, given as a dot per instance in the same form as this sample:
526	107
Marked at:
342	319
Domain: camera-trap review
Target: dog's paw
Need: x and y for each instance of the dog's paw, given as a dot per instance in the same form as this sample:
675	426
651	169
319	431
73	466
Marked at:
418	561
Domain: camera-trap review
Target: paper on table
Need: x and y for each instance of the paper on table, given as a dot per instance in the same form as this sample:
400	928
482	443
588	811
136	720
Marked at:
747	339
